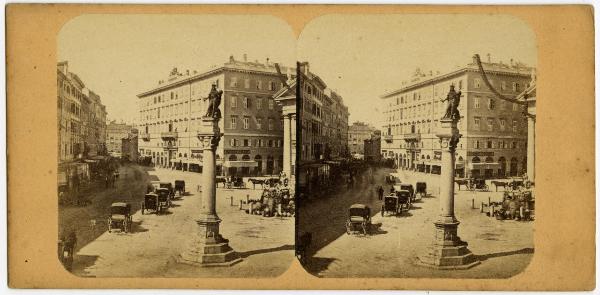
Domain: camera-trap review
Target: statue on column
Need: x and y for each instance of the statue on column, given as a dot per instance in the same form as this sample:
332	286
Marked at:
453	100
214	101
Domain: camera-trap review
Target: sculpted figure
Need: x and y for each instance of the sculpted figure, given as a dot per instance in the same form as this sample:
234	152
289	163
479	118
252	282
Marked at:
453	100
214	101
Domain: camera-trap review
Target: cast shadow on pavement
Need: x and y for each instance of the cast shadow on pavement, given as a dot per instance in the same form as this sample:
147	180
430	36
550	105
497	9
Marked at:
81	262
316	265
267	250
375	229
136	227
506	253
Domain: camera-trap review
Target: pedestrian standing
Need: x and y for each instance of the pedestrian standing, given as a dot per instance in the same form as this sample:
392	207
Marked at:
380	192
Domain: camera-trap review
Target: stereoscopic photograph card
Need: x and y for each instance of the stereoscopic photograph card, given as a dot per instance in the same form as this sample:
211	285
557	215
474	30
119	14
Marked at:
301	147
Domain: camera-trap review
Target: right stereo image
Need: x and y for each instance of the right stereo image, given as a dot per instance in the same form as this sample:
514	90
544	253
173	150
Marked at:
415	140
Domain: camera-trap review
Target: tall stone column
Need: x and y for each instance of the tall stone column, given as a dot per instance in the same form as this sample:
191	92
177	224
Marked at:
287	145
447	251
531	139
208	247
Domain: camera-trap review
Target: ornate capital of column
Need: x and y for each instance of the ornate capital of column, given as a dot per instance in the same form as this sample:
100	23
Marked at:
210	133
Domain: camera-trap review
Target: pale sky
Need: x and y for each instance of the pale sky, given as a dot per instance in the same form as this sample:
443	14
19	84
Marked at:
363	57
120	56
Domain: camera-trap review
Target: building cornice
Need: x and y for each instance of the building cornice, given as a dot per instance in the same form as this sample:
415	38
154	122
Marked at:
448	76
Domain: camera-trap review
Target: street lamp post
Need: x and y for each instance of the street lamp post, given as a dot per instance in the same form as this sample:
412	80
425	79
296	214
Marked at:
448	251
208	247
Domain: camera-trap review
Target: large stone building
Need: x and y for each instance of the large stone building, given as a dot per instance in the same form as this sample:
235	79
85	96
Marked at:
324	130
81	117
494	132
358	132
252	143
115	132
324	119
81	126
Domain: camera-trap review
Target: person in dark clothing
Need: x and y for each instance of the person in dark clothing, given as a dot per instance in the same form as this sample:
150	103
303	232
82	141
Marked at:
380	192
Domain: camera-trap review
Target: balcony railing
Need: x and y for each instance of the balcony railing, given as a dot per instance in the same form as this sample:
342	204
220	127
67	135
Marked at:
169	146
168	135
412	136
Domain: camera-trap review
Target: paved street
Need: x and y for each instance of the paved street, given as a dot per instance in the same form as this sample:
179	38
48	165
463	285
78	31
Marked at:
265	244
504	247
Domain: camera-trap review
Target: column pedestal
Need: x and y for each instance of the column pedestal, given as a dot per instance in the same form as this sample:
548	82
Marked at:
207	247
447	251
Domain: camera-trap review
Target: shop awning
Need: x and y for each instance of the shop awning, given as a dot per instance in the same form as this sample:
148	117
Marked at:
249	163
483	165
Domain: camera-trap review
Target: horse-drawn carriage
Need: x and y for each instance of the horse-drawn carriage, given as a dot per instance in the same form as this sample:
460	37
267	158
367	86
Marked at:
154	202
180	187
406	187
478	184
235	182
359	219
421	189
120	217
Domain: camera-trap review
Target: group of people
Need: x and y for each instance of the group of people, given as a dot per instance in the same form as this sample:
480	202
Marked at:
515	206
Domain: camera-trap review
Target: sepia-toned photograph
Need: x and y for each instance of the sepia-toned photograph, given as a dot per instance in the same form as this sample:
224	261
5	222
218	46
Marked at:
416	154
176	146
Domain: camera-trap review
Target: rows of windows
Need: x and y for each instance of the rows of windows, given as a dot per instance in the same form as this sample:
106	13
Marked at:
258	123
492	126
257	142
247	104
500	144
255	84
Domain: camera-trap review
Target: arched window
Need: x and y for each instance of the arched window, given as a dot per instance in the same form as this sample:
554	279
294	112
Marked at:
233	158
489	160
475	160
246	158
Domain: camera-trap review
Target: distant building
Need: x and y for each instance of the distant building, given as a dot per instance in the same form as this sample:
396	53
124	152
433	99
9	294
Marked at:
324	119
251	122
115	132
358	132
494	132
81	119
129	146
372	147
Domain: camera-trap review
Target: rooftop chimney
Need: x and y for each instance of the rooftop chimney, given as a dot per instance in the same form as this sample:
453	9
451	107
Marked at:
267	61
511	62
289	73
489	58
231	58
245	57
187	72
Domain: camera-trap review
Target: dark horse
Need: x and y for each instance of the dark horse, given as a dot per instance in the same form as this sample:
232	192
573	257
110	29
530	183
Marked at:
460	182
222	180
256	181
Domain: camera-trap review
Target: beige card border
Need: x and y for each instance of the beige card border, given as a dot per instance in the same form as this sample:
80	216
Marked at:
564	256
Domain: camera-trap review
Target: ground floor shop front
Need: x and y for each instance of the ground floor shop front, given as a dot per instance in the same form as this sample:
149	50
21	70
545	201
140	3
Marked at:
475	164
